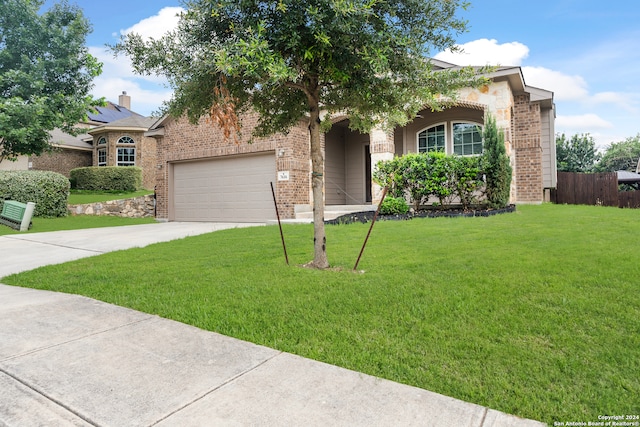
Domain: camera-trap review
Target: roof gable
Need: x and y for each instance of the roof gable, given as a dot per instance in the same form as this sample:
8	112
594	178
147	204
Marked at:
60	139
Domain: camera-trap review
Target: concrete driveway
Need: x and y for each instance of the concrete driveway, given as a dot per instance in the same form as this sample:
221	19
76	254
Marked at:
22	252
68	360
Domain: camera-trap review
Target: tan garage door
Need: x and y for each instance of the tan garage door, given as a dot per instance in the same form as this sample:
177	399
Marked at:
233	189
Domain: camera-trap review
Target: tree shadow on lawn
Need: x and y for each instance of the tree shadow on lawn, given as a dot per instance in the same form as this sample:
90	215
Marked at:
367	216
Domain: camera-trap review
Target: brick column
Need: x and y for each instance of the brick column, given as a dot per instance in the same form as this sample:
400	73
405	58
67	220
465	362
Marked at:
527	150
382	147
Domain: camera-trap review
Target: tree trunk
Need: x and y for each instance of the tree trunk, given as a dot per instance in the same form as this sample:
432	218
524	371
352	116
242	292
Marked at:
317	186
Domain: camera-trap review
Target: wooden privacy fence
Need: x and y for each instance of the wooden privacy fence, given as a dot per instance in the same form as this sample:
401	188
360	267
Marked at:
629	199
593	189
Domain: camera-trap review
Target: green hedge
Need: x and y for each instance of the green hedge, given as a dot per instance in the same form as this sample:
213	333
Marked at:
394	206
424	175
107	178
48	190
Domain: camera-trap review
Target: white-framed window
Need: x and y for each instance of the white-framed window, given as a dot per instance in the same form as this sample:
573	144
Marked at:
432	139
102	140
455	137
102	157
467	139
126	140
126	157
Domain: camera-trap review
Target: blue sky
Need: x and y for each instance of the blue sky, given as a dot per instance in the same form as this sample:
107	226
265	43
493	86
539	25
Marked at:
587	52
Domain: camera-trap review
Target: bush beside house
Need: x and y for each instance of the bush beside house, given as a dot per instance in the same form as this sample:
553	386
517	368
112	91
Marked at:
434	176
107	178
48	190
482	180
496	165
394	206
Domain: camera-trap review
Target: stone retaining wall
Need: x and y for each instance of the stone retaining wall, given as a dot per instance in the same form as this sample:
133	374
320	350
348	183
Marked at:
138	207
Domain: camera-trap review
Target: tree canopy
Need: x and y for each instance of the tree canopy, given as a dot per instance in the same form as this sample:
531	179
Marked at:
289	60
577	154
46	74
622	155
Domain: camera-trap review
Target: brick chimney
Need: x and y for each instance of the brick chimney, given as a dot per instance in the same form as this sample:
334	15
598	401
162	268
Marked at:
124	100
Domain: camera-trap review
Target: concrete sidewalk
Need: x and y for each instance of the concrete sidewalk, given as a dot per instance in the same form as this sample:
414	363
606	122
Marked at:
71	360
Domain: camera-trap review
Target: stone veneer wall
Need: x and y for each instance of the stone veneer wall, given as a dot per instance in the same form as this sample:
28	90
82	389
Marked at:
185	141
527	146
137	207
382	147
61	161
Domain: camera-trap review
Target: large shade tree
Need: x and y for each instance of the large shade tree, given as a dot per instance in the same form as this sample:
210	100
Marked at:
576	154
289	60
46	73
621	155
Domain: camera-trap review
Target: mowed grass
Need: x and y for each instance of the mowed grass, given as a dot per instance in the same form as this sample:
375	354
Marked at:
80	197
534	313
41	225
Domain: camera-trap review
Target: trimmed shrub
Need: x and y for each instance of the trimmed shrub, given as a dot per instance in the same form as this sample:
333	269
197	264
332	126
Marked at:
441	175
107	178
48	190
394	206
433	174
497	168
466	179
387	174
414	176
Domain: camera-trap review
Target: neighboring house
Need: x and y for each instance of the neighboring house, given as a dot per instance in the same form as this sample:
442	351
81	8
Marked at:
114	137
120	141
69	152
631	179
203	177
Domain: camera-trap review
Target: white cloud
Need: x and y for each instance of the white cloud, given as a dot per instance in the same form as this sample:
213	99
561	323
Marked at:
609	97
120	66
112	66
575	88
157	25
486	52
582	121
563	86
626	101
602	131
144	100
147	92
584	101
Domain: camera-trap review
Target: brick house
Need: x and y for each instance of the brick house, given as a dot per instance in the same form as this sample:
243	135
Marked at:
68	152
200	176
114	137
118	139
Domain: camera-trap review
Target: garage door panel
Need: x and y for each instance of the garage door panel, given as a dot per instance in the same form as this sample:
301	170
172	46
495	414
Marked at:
225	189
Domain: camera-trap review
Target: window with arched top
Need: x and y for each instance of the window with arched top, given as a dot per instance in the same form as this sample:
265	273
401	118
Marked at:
102	140
455	137
432	139
126	140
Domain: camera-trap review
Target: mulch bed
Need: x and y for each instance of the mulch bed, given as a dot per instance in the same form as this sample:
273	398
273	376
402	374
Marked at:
425	213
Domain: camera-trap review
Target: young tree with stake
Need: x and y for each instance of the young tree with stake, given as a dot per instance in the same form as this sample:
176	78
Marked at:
291	59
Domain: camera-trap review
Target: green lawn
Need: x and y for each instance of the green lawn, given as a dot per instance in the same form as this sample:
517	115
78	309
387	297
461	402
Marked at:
534	313
76	222
80	197
84	221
